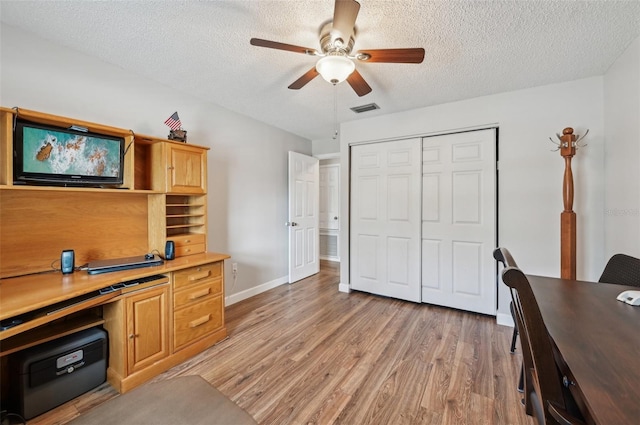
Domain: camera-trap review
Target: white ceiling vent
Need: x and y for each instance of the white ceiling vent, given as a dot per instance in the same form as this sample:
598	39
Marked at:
365	108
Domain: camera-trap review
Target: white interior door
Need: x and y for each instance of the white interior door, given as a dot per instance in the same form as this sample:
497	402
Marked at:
303	216
459	221
329	196
385	219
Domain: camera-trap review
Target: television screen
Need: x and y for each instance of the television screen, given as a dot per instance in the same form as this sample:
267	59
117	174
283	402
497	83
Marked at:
65	156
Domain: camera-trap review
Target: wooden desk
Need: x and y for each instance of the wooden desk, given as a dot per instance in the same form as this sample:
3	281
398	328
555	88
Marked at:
152	326
598	339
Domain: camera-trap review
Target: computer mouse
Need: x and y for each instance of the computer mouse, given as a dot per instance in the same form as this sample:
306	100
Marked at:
148	256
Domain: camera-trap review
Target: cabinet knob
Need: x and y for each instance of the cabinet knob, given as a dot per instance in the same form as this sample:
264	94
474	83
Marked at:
133	336
170	168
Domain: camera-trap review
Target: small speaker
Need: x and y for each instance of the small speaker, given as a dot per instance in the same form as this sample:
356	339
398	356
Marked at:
169	250
67	261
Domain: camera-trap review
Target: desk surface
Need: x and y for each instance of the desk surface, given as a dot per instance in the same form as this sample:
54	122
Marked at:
27	293
598	338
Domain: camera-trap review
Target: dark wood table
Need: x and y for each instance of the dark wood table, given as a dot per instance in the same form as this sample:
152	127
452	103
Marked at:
598	339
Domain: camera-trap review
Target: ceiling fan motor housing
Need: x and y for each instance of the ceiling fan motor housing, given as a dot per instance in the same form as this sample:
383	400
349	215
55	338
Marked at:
331	41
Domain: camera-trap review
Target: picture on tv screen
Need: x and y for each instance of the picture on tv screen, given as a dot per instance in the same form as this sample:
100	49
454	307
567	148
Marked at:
48	151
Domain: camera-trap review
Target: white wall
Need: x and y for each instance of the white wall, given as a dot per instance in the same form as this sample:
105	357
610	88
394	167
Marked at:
247	161
322	147
530	179
622	153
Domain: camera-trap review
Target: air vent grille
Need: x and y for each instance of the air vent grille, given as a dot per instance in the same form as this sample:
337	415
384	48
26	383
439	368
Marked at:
365	108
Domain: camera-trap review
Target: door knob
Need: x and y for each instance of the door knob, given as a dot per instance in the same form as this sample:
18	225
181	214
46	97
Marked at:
291	223
335	218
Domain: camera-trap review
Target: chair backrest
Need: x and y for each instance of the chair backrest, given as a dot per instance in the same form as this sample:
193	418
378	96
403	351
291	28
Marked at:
622	269
546	376
504	256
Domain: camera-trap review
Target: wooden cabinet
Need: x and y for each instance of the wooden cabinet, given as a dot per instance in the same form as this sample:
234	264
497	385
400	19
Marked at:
179	168
147	330
138	335
180	213
198	303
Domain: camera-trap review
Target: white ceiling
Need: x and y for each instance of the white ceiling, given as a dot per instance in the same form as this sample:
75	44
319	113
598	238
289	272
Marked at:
473	48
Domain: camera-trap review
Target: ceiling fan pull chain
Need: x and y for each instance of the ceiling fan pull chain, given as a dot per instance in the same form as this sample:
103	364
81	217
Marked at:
335	111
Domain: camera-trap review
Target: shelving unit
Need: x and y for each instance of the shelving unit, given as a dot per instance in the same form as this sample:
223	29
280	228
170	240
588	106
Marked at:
163	195
185	214
184	221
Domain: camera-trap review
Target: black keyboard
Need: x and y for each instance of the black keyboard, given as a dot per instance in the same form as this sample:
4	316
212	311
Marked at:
133	282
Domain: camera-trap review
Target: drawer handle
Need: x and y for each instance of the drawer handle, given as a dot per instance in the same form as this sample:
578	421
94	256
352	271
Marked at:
200	321
200	294
199	276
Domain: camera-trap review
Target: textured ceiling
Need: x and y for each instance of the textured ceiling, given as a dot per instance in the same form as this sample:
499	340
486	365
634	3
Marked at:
473	48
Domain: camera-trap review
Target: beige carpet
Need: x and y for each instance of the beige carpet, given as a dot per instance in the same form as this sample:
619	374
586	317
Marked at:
188	400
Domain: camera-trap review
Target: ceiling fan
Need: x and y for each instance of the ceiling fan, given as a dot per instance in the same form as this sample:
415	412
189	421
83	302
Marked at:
336	63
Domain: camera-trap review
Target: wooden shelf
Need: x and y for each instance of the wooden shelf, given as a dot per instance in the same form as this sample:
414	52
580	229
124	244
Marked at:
185	226
76	189
184	205
49	332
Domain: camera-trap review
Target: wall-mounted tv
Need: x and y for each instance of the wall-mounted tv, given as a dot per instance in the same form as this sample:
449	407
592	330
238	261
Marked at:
45	154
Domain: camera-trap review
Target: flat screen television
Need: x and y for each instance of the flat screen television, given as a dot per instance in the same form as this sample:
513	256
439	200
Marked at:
49	155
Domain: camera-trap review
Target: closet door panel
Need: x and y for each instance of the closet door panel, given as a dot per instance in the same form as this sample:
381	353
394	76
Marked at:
385	219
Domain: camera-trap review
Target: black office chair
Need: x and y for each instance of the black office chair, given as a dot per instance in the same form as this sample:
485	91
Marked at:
551	401
504	256
622	269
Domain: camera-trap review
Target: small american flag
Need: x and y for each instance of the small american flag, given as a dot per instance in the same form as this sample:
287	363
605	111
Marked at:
173	121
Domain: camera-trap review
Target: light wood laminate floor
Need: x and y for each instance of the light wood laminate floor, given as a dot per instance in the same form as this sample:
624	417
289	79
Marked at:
308	354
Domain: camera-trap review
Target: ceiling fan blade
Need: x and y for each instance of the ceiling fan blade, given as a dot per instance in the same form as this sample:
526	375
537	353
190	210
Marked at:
345	13
282	46
392	55
358	84
302	81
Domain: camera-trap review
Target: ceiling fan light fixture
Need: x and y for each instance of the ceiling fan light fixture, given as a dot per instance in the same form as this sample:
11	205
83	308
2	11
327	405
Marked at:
335	68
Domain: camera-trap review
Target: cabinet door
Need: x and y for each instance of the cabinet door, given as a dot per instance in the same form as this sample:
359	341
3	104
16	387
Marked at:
187	169
147	327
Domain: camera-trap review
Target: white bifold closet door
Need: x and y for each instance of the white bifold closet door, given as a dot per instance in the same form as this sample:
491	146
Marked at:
423	220
459	221
385	219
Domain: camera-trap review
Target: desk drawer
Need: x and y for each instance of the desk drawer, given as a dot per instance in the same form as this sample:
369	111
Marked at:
195	275
192	323
189	244
181	251
196	293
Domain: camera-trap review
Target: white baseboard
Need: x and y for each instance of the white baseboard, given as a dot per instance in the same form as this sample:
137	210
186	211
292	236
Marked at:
504	320
344	287
328	258
232	299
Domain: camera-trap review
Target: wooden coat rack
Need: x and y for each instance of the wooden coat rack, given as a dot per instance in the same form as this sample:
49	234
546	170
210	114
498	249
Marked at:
567	147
